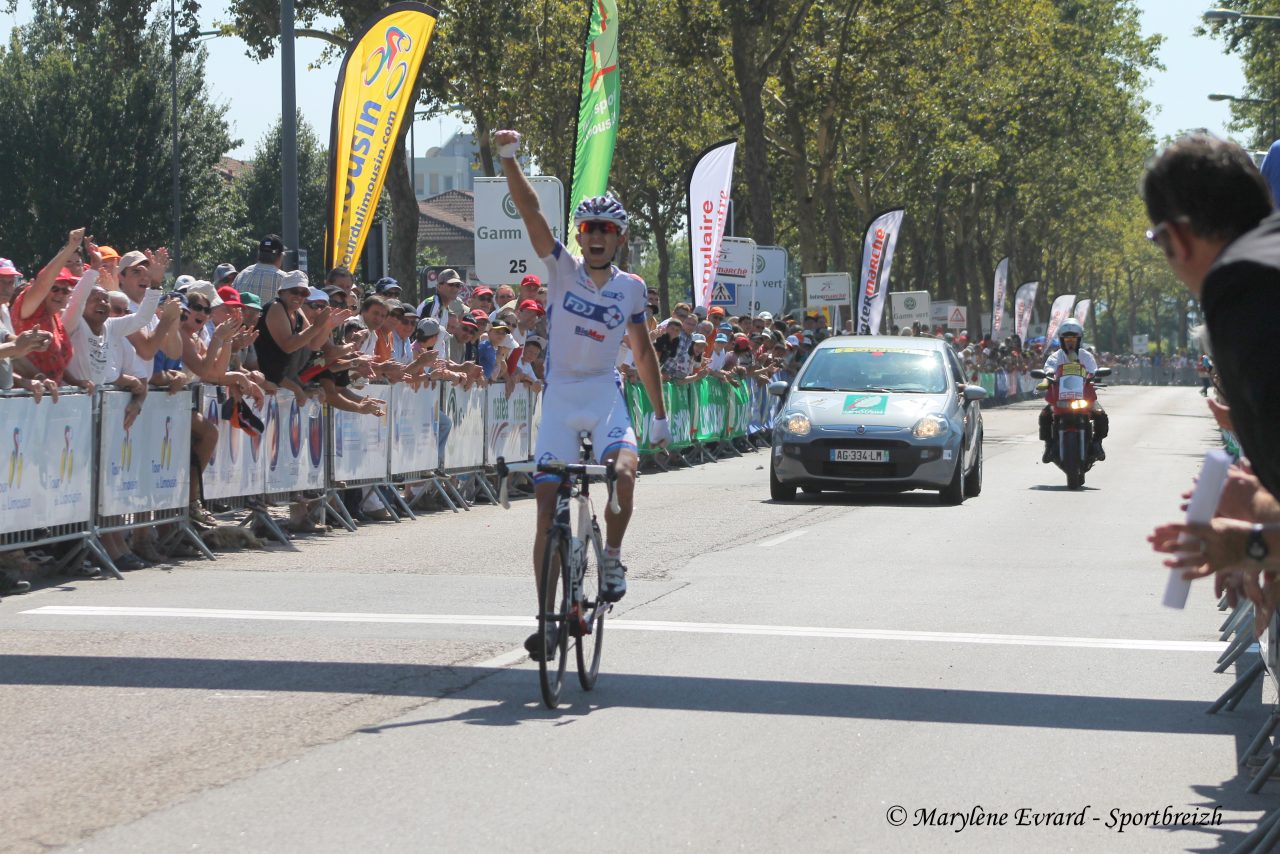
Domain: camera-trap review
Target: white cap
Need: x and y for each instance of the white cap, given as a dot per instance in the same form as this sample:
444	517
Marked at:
295	279
205	289
183	282
765	316
317	295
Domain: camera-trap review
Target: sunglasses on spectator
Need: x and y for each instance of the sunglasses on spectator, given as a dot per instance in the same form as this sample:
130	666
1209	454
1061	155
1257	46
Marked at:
318	304
591	227
485	297
60	289
195	306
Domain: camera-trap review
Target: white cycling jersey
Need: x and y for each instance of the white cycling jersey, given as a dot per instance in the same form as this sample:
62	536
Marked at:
585	323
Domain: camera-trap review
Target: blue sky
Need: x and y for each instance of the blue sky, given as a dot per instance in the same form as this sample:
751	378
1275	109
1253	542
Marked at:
1194	68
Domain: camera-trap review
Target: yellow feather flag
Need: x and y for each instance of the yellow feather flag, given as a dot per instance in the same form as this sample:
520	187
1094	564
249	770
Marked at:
369	114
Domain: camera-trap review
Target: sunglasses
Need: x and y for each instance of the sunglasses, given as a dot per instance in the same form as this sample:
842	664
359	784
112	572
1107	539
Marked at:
60	289
195	306
485	298
318	304
595	226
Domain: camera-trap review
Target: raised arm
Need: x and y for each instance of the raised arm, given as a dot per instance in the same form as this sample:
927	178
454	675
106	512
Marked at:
44	279
73	314
522	194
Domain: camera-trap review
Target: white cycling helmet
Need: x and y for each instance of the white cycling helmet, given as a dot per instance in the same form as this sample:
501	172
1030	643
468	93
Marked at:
1071	327
601	209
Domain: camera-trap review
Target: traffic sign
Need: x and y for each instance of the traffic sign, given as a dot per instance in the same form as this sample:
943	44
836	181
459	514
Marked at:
958	317
724	293
503	252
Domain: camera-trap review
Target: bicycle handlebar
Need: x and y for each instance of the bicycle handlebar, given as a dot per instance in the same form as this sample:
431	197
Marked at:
563	470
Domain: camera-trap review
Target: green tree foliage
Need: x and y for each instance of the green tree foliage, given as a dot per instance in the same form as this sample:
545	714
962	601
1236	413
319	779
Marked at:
86	141
1257	113
260	189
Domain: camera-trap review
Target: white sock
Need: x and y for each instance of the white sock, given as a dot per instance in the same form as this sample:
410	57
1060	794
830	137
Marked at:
613	553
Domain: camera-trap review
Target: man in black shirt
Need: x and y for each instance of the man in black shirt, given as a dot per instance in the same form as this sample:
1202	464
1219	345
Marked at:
1211	215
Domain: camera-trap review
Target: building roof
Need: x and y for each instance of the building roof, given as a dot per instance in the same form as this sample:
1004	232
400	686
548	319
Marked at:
232	169
447	216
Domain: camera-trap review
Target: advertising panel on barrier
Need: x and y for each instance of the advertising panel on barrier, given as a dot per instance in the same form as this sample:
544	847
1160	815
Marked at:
361	443
535	418
236	467
713	409
506	424
148	466
678	399
47	462
414	443
640	409
294	440
465	408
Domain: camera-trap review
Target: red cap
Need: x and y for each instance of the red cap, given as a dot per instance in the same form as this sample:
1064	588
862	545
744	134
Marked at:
481	291
531	280
229	295
479	312
65	275
532	305
715	309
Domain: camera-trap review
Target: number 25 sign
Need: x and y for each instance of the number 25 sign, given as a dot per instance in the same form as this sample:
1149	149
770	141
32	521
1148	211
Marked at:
503	252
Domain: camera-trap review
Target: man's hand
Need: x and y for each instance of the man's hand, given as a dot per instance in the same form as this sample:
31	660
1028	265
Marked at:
1221	414
171	310
660	433
32	341
508	142
157	263
1216	547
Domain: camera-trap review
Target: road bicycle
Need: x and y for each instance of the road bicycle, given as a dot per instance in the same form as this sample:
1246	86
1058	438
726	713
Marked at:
571	562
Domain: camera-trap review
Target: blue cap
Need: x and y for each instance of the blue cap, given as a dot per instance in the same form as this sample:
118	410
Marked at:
385	284
722	339
725	327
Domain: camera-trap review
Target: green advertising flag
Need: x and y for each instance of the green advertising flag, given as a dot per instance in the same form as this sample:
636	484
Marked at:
597	106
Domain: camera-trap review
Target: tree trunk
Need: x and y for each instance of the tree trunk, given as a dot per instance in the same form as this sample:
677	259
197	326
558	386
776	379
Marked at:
751	78
804	201
483	140
664	265
403	243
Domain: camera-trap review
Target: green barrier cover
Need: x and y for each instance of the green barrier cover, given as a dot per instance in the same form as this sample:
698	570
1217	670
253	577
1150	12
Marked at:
713	409
679	414
988	381
741	395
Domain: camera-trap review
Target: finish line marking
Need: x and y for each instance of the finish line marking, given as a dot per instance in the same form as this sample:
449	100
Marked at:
625	624
777	541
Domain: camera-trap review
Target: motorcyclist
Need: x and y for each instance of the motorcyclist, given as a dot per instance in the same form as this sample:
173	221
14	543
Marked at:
1071	335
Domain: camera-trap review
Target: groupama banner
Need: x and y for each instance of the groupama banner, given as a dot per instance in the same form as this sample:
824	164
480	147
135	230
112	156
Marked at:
997	297
877	258
369	113
598	107
710	180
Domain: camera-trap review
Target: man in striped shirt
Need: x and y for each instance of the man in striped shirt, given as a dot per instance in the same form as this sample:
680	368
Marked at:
263	278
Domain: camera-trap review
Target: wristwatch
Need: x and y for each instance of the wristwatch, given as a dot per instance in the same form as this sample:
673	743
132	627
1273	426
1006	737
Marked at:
1256	547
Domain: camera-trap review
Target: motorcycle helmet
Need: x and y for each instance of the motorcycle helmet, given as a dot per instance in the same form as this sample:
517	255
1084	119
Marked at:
1071	327
601	209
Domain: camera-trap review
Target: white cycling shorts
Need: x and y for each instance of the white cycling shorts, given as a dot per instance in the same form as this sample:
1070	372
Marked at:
596	406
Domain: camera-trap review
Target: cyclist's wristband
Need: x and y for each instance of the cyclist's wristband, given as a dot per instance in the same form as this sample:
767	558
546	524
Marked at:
508	150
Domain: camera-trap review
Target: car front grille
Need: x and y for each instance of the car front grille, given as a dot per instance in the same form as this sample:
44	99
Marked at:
904	459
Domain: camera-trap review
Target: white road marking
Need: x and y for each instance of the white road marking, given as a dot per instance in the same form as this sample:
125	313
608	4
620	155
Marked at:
625	624
776	541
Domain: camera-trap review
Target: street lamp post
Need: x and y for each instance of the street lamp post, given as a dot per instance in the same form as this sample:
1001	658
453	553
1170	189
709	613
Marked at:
1231	16
288	133
1275	131
177	182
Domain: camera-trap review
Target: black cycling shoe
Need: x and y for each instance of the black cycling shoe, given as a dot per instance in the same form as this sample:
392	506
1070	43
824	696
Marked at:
1098	453
533	645
1048	453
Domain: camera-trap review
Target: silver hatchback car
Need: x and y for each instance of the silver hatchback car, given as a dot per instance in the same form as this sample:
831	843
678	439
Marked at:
878	412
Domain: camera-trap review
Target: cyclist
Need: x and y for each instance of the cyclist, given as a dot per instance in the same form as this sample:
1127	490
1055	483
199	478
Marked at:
591	305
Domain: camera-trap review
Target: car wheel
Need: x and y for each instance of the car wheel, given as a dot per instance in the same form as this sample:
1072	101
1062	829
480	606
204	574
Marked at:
778	490
973	480
953	493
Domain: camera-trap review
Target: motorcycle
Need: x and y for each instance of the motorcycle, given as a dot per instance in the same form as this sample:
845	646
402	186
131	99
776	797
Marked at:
1072	395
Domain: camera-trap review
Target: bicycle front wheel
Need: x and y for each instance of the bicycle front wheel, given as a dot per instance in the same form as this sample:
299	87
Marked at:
553	625
591	635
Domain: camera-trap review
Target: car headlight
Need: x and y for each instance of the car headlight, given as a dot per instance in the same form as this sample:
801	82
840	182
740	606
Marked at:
930	427
797	424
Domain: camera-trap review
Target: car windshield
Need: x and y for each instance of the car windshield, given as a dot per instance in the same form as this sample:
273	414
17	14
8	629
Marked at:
869	369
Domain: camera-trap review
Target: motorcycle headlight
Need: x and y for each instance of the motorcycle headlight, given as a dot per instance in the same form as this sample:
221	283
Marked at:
930	427
1079	404
797	424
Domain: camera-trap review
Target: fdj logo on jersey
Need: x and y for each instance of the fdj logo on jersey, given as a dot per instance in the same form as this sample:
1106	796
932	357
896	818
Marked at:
609	315
387	58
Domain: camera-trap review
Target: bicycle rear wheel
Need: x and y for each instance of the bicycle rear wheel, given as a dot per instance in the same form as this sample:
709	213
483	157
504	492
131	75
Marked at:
553	626
589	645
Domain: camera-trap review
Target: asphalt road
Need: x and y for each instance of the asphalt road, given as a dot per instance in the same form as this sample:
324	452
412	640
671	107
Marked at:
818	674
